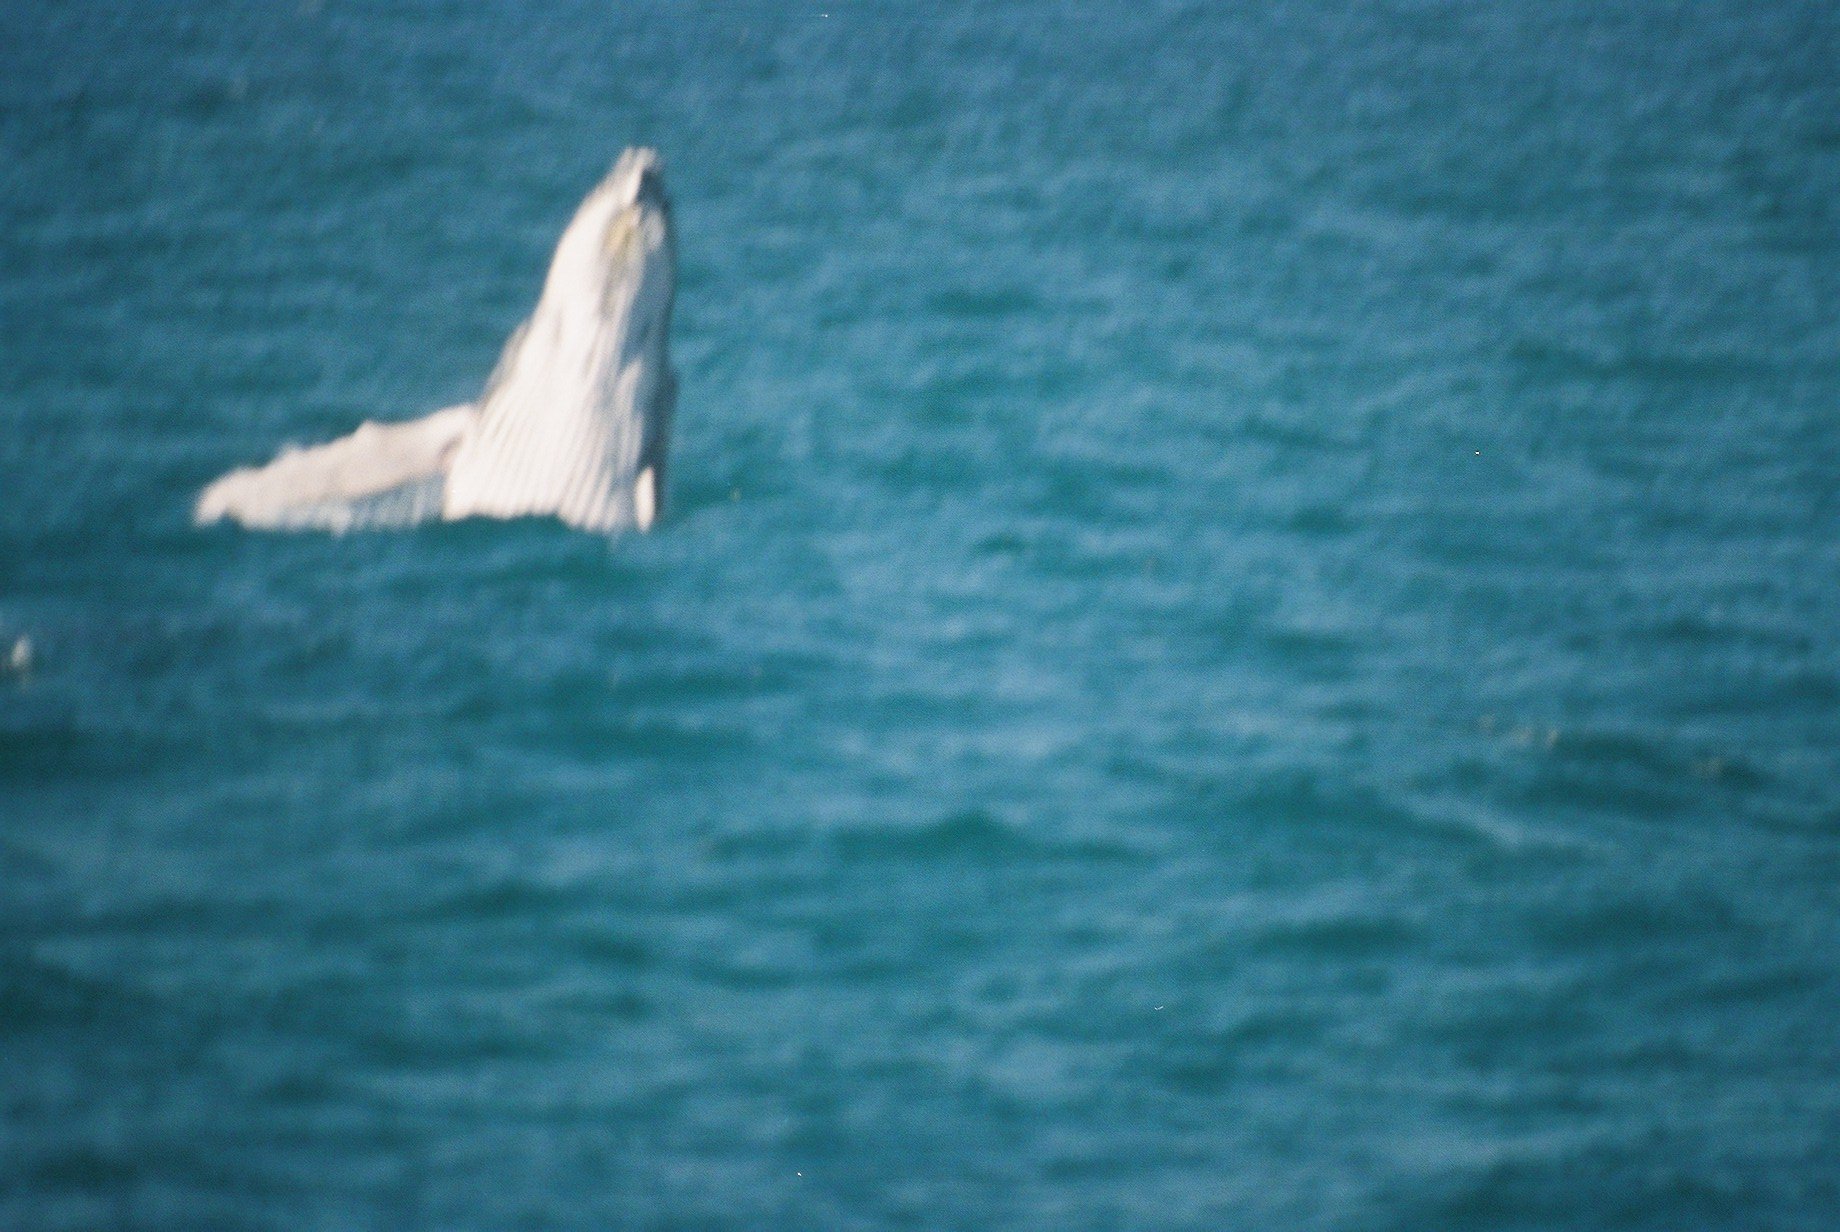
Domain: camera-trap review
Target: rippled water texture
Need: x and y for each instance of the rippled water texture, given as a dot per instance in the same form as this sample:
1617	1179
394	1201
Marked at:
1249	635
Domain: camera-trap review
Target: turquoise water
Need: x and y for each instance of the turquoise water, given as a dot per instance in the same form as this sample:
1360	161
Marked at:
1249	635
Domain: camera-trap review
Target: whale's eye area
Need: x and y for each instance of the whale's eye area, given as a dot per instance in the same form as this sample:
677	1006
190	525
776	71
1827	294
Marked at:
648	190
622	232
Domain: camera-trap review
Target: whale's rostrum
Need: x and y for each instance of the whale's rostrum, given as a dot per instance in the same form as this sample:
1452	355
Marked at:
573	423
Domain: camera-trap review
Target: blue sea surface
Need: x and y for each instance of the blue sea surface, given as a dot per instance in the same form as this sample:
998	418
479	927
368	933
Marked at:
1248	633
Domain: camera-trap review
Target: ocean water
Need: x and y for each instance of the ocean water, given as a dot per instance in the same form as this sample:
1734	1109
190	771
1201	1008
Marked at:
1248	634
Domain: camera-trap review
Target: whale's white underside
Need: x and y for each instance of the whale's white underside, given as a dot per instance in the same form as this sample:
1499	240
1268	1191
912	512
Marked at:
574	422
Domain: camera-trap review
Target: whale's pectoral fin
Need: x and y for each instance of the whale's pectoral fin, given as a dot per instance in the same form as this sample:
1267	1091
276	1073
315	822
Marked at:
648	486
645	499
380	475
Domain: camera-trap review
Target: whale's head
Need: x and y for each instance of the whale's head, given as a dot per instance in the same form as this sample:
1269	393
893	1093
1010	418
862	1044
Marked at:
576	419
614	265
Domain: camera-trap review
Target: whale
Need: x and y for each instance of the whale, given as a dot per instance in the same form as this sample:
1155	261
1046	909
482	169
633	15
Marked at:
573	423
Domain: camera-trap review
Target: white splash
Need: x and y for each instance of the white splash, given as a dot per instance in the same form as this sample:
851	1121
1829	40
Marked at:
574	423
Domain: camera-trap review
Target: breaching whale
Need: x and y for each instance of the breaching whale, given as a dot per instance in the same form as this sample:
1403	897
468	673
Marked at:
573	423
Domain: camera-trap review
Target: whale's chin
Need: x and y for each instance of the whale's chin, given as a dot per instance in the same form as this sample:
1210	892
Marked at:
573	424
